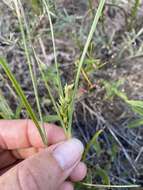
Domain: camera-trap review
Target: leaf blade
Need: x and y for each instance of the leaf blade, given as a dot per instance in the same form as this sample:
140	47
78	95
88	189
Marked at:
21	94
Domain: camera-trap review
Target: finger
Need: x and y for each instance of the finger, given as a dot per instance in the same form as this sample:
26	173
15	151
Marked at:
44	170
16	134
25	152
79	173
67	186
8	157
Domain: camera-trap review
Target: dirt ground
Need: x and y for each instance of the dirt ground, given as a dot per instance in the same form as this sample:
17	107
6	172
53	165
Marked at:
120	153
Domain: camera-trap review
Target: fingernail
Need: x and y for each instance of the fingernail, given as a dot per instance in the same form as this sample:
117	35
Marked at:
68	153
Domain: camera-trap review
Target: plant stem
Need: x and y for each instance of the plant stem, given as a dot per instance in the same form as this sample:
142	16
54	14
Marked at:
91	33
60	89
20	12
48	89
110	186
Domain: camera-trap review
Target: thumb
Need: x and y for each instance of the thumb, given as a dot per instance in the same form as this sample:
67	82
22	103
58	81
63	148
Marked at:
46	170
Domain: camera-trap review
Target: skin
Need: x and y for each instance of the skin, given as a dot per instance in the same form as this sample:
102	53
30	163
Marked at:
20	144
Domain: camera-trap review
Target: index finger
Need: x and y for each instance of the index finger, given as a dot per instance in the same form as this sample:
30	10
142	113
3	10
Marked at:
15	134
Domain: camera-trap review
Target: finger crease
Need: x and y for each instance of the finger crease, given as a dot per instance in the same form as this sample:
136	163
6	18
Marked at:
27	132
34	179
3	144
18	179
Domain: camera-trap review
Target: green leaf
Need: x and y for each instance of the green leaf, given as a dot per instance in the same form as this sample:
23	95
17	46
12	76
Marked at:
112	89
138	110
135	103
92	143
5	110
136	123
36	5
18	110
89	176
25	102
104	175
51	118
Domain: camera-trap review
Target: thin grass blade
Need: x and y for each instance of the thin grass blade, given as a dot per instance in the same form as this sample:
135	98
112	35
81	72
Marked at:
60	89
91	33
109	186
27	41
91	142
21	94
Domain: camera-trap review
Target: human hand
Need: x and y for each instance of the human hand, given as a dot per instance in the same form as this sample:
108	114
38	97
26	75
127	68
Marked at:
52	168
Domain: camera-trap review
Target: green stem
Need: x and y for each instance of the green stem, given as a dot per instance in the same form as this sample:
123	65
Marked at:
109	186
20	12
91	33
60	89
39	62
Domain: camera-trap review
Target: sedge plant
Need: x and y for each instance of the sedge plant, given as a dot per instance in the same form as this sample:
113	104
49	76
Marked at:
67	94
64	107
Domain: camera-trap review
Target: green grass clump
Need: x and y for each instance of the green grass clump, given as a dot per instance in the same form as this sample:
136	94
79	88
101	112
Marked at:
113	89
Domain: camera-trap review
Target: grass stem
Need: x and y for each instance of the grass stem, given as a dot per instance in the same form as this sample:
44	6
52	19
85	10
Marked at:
91	33
60	89
21	18
109	186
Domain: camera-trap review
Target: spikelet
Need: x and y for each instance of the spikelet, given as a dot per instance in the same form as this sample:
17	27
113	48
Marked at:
64	104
